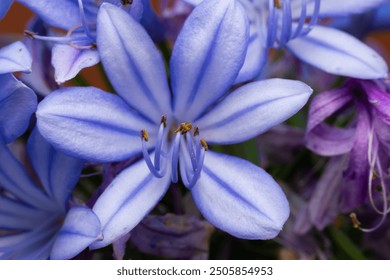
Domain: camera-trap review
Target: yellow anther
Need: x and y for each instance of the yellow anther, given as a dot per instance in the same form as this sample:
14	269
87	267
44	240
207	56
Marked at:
186	127
183	128
204	144
144	135
277	4
196	130
355	222
164	120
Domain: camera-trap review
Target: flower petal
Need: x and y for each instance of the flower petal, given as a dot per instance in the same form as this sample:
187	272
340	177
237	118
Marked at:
207	56
17	103
81	227
325	139
127	200
330	8
15	57
240	198
14	179
57	172
69	61
126	48
253	109
255	59
4	6
62	14
339	53
88	123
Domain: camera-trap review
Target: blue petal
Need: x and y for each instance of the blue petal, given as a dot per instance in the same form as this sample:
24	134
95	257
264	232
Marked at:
69	61
330	8
14	179
253	109
207	56
58	13
381	18
339	53
4	6
81	227
255	59
127	200
240	198
57	172
88	123
15	57
126	48
17	103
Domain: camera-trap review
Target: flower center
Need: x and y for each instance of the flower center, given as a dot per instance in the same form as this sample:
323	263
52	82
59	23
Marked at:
182	142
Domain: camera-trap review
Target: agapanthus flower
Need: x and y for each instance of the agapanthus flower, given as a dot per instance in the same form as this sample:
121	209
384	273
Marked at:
294	24
36	220
76	50
145	117
363	178
17	102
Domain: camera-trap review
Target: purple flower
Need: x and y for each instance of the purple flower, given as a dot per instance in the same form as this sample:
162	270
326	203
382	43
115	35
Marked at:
231	193
36	221
365	139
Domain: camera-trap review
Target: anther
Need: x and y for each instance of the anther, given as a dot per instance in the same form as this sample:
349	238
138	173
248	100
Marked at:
183	128
204	144
144	135
196	131
355	222
277	4
29	34
164	120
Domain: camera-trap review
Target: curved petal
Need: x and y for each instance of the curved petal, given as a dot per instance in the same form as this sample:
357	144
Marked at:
57	172
69	61
253	109
255	59
207	56
127	200
339	53
132	63
330	8
240	198
58	13
88	123
325	139
4	6
81	227
17	104
15	180
15	57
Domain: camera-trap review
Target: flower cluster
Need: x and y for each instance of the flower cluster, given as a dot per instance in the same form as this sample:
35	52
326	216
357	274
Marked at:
167	158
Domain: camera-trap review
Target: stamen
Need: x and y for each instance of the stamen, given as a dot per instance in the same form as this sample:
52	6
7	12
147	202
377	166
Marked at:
155	171
175	158
164	120
159	146
196	131
204	144
84	21
144	135
355	222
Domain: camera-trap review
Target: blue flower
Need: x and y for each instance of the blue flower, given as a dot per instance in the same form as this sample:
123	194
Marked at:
76	50
231	193
294	24
17	102
35	220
